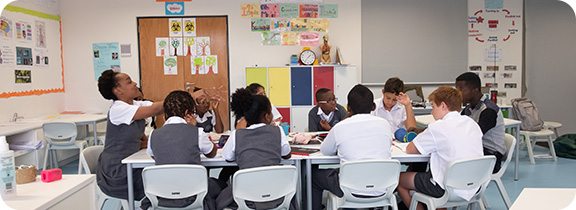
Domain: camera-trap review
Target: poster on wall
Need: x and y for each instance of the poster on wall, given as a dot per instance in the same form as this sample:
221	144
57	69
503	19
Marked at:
289	10
318	25
24	56
40	34
280	25
299	24
269	11
176	47
260	24
198	65
105	56
170	65
250	10
308	11
309	39
271	38
175	27
203	46
7	55
328	11
174	8
6	29
22	76
23	31
190	46
211	64
289	38
162	46
189	26
41	57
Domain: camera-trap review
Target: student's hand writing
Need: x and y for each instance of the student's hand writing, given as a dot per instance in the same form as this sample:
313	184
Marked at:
404	99
325	125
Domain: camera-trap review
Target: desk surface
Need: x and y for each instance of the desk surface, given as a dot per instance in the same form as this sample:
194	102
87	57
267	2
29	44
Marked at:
40	195
424	120
11	128
546	198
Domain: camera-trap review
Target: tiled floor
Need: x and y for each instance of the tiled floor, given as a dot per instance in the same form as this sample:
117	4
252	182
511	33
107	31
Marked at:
544	174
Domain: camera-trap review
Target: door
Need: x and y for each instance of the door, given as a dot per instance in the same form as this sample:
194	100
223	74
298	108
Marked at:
301	80
156	85
279	86
323	78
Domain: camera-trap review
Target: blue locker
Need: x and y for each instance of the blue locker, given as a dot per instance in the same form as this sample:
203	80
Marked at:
301	82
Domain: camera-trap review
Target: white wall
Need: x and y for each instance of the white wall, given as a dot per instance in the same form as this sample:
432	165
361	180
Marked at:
115	21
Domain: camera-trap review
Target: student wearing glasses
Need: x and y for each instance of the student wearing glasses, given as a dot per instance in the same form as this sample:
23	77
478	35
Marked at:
326	113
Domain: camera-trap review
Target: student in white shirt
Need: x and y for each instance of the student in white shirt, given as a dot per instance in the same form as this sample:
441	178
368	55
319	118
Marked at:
450	138
395	106
207	116
327	113
359	137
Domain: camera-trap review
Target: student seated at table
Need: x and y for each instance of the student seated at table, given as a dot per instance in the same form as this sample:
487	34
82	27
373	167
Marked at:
395	106
359	137
260	144
257	89
207	116
124	134
327	113
486	113
450	138
179	141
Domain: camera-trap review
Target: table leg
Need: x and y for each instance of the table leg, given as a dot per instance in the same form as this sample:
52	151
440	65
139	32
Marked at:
298	166
130	187
516	131
308	184
95	133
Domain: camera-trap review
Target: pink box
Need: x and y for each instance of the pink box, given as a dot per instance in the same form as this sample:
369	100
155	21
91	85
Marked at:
51	175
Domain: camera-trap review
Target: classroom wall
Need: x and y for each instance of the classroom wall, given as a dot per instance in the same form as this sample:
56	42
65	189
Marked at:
115	21
33	106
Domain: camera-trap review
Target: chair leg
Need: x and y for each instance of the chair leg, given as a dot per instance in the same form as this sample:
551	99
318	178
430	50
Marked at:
46	157
79	162
551	146
485	202
503	193
528	142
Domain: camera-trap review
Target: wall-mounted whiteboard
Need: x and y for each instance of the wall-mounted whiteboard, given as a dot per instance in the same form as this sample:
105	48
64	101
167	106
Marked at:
30	53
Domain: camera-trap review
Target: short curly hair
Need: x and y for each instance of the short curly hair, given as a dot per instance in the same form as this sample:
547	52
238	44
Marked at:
106	84
177	103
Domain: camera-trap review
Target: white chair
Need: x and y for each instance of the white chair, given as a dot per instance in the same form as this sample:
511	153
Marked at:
531	137
468	174
510	145
551	125
366	176
263	184
89	162
175	181
61	136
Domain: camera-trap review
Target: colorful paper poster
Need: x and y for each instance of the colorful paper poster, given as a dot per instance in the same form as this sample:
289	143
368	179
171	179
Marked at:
190	46
309	39
202	46
189	26
269	10
299	24
23	31
289	10
105	57
175	26
211	64
328	11
22	76
271	38
176	47
308	11
289	38
260	24
318	25
198	65
162	48
6	28
280	25
41	57
250	10
170	65
174	8
40	34
24	56
7	55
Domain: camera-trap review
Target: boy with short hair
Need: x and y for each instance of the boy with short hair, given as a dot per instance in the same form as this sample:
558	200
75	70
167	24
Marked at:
395	106
326	113
450	138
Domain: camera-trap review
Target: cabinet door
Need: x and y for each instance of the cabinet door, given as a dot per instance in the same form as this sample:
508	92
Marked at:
301	78
257	75
279	85
285	112
345	78
323	78
299	118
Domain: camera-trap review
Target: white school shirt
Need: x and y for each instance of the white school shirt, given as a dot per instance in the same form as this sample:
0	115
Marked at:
324	116
454	137
204	142
123	113
275	113
396	116
228	152
204	118
359	137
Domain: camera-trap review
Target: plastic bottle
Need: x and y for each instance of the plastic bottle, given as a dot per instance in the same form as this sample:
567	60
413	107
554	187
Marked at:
7	169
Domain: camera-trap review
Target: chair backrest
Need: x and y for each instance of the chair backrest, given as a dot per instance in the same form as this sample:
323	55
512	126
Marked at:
89	158
369	177
60	133
469	174
510	142
264	184
175	181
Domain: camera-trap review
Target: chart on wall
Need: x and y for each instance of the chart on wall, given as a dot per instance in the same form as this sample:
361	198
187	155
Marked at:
495	45
30	53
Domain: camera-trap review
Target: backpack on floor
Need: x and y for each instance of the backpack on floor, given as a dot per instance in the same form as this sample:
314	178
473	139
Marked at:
525	111
565	146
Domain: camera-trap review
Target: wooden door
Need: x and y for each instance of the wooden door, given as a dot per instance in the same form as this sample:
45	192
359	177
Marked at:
156	86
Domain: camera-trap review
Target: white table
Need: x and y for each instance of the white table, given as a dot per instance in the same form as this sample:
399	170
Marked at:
514	126
546	198
71	192
319	159
80	120
141	159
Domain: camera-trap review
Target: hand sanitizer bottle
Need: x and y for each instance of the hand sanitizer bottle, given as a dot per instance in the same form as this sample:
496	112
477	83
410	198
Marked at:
7	169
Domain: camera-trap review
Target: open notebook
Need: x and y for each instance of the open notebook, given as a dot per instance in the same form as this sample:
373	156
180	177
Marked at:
303	151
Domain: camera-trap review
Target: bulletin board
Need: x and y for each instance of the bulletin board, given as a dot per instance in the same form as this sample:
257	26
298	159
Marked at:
30	53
